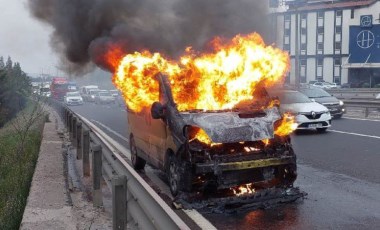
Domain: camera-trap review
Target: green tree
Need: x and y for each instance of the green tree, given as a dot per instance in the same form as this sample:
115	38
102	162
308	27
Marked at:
15	88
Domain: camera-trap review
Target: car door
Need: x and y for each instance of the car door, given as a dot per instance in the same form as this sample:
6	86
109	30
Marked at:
157	140
139	129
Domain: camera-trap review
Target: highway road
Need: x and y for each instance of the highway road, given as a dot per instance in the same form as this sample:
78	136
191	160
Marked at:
338	169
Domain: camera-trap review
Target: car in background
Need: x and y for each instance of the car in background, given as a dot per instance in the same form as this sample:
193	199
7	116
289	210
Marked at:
335	106
377	96
73	98
115	93
325	85
91	95
308	114
85	92
104	97
45	92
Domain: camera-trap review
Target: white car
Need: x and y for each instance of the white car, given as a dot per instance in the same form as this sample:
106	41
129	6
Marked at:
308	113
73	98
378	96
325	85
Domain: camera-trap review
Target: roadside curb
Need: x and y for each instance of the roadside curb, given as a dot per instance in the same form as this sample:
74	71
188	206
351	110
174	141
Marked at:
48	206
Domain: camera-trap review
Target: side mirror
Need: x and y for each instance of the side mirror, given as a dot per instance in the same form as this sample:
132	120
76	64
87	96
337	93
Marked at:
157	110
275	101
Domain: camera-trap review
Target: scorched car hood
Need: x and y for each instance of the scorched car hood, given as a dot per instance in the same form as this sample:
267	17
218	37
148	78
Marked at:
230	127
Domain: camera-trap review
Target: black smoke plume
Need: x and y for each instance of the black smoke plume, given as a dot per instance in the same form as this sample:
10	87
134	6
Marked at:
85	29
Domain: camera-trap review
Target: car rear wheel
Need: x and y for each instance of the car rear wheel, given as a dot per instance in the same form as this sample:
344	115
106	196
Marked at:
137	162
321	130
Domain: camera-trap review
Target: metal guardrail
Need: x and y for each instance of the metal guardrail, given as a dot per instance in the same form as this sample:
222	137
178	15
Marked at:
365	104
360	93
134	202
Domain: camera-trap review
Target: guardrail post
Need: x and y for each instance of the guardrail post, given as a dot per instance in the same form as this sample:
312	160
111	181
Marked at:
66	116
79	140
97	175
366	111
68	120
70	123
86	152
74	129
119	202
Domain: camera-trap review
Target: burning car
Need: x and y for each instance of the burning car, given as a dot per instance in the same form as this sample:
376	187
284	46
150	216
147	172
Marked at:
206	119
217	149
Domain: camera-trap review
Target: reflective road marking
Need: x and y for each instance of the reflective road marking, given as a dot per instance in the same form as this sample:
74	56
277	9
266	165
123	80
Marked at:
356	134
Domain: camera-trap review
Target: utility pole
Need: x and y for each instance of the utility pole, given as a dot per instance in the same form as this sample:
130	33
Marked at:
296	53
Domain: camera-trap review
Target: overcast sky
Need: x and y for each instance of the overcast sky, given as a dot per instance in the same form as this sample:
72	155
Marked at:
25	39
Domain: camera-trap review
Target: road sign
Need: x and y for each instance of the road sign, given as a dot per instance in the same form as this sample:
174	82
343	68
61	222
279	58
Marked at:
364	44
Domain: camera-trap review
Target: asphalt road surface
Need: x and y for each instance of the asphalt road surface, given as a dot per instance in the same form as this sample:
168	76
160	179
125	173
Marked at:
340	171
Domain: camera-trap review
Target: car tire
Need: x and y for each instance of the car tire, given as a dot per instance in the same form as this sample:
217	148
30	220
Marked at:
173	175
137	162
321	130
338	116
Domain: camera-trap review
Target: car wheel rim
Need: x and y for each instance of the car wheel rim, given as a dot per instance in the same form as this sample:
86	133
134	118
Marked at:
173	176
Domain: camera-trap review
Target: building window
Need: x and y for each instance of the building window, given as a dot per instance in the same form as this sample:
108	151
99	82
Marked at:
303	46
338	13
287	32
338	29
304	16
320	46
303	30
287	47
352	13
303	70
321	14
320	30
286	40
319	61
338	45
287	17
337	61
287	24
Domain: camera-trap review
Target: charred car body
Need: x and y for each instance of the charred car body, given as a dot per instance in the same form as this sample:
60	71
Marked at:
244	148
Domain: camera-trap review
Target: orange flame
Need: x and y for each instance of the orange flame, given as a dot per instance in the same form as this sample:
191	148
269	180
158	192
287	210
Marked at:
202	136
287	126
243	189
210	81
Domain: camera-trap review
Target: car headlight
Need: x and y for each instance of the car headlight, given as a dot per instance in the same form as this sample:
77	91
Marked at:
341	103
92	96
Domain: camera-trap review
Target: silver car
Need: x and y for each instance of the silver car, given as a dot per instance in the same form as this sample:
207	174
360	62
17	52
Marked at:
104	97
73	98
308	114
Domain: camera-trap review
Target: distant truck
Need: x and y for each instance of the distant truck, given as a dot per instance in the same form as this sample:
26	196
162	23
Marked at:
87	95
59	88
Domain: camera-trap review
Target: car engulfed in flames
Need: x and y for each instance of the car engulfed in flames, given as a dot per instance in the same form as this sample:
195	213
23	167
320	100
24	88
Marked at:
207	120
222	149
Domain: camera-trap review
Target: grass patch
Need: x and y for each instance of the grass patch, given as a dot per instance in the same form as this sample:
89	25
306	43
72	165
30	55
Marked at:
20	142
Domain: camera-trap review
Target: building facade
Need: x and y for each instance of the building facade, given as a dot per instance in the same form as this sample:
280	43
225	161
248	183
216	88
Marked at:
335	41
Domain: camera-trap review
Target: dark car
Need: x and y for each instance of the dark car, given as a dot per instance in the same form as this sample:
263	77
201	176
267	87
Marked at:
335	106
